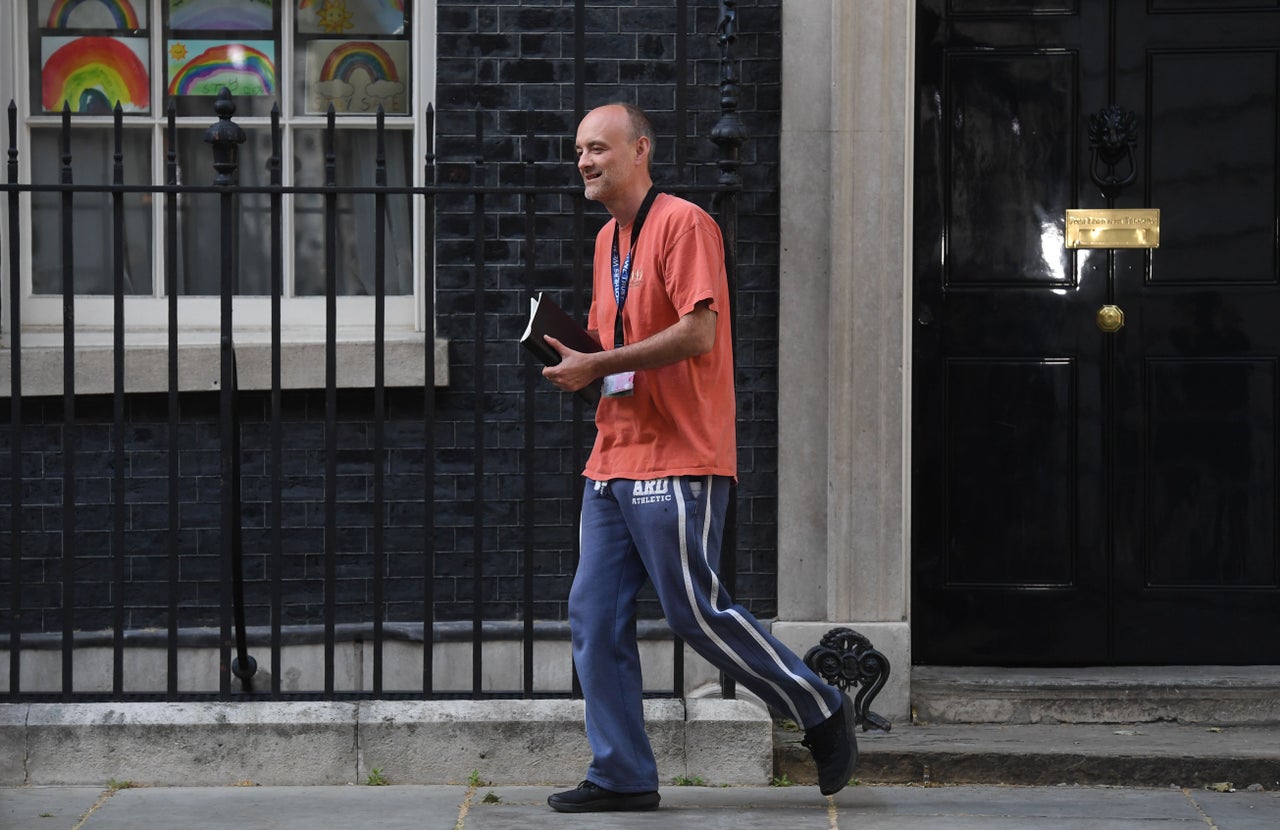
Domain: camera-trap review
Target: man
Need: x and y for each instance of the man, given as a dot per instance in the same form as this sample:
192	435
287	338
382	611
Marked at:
659	475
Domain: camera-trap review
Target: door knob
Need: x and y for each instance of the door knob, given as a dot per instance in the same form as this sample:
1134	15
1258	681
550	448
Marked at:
1110	318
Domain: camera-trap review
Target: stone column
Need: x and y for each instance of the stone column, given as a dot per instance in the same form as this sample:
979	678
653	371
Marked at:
843	415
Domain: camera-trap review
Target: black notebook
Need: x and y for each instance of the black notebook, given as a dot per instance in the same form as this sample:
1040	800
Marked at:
545	317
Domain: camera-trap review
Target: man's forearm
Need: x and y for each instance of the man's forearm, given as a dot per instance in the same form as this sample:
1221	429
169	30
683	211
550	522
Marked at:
693	335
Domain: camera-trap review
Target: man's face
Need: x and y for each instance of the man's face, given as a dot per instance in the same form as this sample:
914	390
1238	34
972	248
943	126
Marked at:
607	153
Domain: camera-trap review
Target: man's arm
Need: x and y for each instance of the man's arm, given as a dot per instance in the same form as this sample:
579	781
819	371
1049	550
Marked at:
692	335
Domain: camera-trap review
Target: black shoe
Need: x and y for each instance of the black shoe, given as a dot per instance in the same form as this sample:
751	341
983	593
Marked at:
834	744
588	798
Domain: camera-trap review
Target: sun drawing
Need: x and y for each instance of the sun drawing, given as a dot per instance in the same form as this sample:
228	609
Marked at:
178	51
334	17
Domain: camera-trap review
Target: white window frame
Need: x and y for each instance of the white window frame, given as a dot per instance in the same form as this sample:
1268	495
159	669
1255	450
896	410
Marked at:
146	317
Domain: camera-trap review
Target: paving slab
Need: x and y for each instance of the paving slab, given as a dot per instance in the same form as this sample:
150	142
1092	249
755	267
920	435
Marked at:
1028	802
1052	808
860	807
704	808
54	808
280	808
1239	810
892	806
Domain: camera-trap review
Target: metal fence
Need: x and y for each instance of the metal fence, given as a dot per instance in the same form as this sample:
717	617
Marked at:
233	641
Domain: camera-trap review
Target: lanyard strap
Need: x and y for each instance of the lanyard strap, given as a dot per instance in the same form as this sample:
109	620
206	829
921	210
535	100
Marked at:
622	270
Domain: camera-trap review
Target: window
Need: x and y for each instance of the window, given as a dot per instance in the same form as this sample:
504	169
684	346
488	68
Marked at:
300	55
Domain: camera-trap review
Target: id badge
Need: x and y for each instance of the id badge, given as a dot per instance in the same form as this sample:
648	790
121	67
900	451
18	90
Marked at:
619	386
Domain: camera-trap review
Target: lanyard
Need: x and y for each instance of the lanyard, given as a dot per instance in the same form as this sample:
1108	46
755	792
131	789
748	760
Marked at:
622	270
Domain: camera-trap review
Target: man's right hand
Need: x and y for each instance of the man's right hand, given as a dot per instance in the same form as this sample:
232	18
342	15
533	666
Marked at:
574	371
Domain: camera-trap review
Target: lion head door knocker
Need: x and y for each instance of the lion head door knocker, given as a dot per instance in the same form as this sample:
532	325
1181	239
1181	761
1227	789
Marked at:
1113	133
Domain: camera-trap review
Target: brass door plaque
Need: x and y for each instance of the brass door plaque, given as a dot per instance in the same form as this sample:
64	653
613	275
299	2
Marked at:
1113	228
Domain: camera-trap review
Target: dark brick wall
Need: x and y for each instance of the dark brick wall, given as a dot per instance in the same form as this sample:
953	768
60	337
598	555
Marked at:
502	59
510	58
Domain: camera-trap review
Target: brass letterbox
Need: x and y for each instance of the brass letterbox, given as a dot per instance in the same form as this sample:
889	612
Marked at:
1113	228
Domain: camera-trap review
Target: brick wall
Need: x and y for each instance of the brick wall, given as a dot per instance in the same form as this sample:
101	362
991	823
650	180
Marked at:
510	58
505	59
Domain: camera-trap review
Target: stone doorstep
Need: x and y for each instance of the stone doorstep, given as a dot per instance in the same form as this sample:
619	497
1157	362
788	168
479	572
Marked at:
1136	754
311	743
1127	726
1211	695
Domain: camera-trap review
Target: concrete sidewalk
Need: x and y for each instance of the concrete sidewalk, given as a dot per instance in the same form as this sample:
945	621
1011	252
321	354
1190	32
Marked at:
704	808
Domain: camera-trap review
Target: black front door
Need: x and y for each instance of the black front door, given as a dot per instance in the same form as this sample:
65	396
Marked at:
1083	496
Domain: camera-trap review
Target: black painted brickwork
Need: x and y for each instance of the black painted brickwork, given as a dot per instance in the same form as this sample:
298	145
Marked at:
505	59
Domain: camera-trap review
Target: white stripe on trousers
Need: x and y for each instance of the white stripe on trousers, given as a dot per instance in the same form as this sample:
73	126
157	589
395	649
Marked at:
716	593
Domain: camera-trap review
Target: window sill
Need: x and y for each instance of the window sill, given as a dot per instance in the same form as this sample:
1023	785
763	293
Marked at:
146	363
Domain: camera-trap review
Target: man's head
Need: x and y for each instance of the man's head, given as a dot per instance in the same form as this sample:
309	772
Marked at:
614	145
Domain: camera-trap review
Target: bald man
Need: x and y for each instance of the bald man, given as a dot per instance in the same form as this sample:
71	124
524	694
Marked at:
659	476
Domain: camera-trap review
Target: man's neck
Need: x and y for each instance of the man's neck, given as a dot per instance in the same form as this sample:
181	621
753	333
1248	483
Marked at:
625	210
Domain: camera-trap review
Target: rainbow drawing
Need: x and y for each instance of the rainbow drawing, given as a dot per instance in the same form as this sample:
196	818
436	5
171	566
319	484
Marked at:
398	5
359	55
244	68
122	12
222	14
364	17
87	71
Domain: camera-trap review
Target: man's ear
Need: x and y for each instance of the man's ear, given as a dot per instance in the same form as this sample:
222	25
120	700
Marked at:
642	149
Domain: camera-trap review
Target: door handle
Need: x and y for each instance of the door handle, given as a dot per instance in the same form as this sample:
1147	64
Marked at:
1110	318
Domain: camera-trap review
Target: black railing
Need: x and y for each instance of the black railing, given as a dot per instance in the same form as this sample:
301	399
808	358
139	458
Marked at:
233	638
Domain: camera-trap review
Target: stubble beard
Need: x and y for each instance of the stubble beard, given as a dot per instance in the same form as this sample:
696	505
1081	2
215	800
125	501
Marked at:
595	189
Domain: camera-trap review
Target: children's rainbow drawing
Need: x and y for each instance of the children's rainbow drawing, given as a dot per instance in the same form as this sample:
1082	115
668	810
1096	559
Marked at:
122	12
221	14
398	5
357	77
340	17
244	68
91	71
359	55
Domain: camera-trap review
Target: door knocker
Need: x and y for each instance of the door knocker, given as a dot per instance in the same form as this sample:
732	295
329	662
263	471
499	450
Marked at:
1113	133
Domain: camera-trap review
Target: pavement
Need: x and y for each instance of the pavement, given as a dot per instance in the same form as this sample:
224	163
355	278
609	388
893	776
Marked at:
1144	776
1158	770
469	807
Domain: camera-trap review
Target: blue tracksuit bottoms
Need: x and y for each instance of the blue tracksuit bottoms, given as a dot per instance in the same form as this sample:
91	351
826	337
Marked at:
669	531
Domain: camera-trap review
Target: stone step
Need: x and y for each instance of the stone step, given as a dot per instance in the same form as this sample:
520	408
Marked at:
1197	726
1213	695
1142	754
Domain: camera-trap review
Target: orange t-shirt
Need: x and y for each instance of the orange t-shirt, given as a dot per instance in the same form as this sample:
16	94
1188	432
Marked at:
680	420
